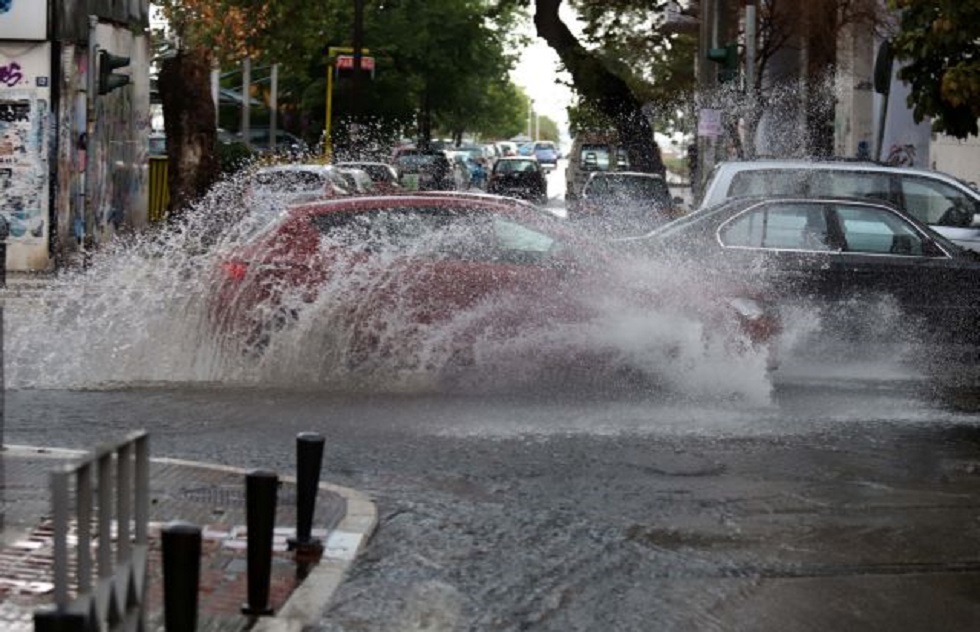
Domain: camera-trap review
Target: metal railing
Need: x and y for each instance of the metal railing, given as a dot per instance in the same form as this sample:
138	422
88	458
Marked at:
111	485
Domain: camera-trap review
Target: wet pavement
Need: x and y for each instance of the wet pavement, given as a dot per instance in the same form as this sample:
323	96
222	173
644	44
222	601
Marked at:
842	504
209	496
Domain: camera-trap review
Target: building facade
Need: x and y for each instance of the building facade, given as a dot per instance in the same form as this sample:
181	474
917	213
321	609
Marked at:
73	163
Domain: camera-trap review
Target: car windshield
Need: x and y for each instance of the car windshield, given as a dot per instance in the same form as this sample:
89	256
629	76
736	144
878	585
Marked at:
441	232
515	166
628	187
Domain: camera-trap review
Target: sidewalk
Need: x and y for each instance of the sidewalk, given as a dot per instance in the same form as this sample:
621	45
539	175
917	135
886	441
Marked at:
209	496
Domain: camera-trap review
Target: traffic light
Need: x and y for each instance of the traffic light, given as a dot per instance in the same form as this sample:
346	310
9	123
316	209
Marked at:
108	80
727	56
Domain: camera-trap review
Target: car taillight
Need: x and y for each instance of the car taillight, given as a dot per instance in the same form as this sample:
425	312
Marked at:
235	270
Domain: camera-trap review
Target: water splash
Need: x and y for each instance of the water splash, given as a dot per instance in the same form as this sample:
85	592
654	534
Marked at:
137	315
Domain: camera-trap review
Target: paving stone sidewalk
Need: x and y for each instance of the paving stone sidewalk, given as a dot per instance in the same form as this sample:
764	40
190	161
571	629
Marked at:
211	497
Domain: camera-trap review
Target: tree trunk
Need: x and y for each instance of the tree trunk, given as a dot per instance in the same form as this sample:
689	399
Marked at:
599	86
189	121
821	46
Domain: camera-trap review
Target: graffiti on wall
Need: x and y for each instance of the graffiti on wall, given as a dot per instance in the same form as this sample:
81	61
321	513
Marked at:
10	74
24	144
23	179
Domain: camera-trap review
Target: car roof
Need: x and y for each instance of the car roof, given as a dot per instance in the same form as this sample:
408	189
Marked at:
294	167
845	164
620	174
353	164
431	198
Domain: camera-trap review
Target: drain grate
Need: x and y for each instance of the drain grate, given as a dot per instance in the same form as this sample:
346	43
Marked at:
230	495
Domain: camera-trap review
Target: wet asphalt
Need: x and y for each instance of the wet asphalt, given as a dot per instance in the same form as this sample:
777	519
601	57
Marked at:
846	501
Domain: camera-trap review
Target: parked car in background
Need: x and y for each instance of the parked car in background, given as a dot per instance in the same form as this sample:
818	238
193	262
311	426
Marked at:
947	204
423	170
496	267
358	181
545	151
383	175
506	148
625	202
836	255
291	183
592	152
520	177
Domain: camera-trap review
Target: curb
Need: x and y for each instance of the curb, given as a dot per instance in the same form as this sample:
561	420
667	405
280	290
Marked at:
307	602
309	599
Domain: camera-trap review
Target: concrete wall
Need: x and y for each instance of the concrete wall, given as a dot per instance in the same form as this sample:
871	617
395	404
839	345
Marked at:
960	158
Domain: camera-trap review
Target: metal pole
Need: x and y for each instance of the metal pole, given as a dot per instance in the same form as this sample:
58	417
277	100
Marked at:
358	45
309	459
216	91
273	104
246	100
260	517
530	113
181	543
91	88
326	130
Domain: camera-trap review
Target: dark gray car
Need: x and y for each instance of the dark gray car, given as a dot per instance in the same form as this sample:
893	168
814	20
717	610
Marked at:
841	254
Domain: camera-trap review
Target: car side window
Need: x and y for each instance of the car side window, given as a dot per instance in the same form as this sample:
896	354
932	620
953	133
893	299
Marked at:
935	202
844	183
877	231
768	182
778	227
517	243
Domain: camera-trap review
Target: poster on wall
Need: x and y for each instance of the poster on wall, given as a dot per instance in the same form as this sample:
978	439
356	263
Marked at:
23	20
24	122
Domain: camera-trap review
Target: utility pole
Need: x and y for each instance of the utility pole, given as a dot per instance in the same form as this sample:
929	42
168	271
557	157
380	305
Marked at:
356	85
247	101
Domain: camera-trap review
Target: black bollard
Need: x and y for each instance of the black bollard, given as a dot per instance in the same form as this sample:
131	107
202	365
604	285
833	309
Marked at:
309	458
54	621
181	543
260	515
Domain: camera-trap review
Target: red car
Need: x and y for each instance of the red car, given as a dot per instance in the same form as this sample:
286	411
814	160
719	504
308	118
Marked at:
440	279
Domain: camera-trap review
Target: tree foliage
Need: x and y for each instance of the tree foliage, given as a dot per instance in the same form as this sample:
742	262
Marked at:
439	63
940	45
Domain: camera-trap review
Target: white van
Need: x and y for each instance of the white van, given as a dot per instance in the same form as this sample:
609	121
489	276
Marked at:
947	204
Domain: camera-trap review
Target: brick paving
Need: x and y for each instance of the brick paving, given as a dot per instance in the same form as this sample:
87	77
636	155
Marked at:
210	497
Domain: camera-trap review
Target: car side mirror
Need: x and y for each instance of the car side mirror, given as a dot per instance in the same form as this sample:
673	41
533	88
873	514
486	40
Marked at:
976	221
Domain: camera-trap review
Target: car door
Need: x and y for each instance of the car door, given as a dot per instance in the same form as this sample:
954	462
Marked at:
886	255
788	246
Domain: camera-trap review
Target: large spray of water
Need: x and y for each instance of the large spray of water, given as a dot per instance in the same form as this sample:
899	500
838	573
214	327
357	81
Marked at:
137	314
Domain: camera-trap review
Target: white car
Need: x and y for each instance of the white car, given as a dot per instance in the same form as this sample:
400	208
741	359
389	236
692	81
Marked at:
947	204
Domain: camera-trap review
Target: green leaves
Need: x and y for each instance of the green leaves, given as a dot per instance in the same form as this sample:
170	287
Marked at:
939	43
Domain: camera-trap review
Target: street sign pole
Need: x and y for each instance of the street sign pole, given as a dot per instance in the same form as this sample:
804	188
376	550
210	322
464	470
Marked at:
332	53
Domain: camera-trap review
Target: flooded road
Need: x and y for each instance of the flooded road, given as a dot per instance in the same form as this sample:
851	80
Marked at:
844	503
